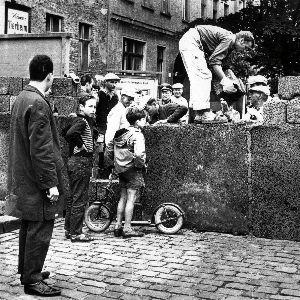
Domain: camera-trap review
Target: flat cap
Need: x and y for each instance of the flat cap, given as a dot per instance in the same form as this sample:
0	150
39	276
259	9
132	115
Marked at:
261	88
166	86
111	76
177	86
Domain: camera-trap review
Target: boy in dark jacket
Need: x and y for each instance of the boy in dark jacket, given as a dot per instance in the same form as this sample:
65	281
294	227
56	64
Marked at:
128	152
80	135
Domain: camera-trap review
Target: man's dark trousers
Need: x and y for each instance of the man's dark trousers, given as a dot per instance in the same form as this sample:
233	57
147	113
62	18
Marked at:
34	241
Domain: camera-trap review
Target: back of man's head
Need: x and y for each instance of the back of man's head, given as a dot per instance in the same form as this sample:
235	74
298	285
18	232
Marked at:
85	79
39	67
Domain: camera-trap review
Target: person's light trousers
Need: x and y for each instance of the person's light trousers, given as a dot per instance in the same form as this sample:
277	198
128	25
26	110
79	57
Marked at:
196	67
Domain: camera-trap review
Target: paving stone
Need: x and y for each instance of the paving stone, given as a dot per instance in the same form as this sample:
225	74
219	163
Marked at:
271	271
153	294
290	292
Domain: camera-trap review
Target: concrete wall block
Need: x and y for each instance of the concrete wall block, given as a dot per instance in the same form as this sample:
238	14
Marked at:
4	85
289	87
64	86
15	85
65	105
275	174
4	103
25	82
275	112
12	100
293	111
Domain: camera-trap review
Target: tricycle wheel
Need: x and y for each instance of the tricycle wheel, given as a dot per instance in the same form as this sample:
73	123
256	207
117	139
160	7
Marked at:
168	219
97	217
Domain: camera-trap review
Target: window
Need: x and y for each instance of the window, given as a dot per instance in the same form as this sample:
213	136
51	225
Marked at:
53	23
226	9
84	41
165	6
215	9
203	9
160	62
148	3
186	10
133	55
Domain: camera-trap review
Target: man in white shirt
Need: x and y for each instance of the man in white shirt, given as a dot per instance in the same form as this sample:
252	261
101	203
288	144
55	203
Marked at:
117	116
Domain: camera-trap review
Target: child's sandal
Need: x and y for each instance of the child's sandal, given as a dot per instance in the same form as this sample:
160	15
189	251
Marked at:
81	238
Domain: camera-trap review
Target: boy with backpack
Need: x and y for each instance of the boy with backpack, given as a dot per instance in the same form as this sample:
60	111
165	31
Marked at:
80	137
127	150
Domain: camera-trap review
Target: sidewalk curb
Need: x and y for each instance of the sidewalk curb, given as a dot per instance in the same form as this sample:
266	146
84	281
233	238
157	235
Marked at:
8	224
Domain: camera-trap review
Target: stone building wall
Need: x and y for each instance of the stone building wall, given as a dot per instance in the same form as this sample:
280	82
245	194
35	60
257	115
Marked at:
93	13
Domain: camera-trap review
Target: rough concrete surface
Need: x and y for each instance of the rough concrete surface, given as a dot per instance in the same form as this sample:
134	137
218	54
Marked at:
185	266
202	168
275	173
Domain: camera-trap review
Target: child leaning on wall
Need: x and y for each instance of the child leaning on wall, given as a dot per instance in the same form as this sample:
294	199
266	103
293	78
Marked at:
127	150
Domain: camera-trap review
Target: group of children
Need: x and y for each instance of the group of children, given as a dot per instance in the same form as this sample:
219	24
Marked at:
127	150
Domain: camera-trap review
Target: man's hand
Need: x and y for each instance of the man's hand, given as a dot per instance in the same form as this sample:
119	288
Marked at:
53	195
228	86
160	122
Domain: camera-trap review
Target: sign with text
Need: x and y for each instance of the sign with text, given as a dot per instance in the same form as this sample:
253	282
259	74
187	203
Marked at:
147	86
17	21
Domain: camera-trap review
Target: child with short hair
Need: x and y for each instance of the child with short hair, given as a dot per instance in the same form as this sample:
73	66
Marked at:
80	136
128	152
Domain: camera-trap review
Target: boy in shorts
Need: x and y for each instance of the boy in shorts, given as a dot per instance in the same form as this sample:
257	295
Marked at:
128	152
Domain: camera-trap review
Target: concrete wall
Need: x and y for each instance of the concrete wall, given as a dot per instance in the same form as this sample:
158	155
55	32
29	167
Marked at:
228	178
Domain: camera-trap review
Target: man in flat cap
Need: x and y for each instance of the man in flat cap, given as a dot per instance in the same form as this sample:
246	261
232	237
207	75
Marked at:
166	93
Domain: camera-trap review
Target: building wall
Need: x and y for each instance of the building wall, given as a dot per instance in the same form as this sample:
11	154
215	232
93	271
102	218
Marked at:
92	12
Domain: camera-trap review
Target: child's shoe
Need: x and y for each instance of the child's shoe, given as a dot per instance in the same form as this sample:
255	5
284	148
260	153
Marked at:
129	232
118	231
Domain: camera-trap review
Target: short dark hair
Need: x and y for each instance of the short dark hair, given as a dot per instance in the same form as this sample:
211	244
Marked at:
82	100
39	67
85	79
247	36
150	101
134	114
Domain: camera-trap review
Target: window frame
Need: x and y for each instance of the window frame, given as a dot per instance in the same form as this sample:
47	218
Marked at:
130	58
185	10
165	7
85	32
160	62
51	17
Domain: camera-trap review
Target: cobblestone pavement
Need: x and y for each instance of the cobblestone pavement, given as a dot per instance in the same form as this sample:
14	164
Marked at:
184	266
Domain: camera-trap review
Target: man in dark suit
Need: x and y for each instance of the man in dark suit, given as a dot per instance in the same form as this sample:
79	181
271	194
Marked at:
35	175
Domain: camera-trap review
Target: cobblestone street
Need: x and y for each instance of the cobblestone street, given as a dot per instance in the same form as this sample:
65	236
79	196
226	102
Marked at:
184	266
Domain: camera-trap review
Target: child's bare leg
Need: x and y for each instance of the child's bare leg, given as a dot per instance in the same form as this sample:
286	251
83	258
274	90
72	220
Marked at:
131	198
121	207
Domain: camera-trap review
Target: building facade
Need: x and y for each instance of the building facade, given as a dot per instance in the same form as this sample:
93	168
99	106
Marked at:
130	37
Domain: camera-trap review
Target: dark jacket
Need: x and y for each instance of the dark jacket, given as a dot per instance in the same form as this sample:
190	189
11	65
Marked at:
80	131
34	162
171	111
104	106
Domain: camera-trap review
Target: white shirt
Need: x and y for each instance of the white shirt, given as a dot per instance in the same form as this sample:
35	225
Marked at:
116	120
